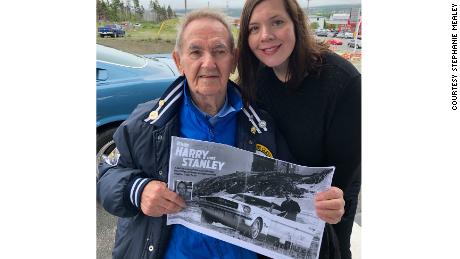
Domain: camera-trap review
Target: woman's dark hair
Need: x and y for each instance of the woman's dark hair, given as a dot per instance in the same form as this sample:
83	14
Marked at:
305	58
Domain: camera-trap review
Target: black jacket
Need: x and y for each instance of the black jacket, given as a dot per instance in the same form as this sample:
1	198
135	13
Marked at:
144	146
321	122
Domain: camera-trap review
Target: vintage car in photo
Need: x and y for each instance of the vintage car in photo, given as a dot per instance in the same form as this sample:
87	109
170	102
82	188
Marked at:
253	216
124	80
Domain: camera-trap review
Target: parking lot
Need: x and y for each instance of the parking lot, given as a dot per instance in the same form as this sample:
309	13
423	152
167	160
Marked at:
340	48
105	233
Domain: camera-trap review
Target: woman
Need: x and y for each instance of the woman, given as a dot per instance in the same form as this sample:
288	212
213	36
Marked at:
313	94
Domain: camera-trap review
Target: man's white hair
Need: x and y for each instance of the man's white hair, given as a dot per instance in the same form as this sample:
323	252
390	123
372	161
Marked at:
200	14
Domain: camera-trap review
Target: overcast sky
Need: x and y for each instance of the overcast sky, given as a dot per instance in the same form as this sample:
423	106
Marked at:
179	4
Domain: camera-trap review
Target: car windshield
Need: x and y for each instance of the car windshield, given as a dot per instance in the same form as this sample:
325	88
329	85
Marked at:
114	56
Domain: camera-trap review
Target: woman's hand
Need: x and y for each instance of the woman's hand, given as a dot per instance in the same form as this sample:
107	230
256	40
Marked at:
330	205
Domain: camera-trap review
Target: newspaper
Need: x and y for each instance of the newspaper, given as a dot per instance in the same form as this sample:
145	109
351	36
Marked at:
247	199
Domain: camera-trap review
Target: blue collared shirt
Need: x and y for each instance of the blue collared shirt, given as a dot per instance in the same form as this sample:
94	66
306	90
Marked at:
225	110
221	128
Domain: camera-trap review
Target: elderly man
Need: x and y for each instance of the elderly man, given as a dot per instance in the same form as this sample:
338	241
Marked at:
202	104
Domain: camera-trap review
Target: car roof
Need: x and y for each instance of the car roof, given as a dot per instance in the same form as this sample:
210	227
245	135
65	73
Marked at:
114	56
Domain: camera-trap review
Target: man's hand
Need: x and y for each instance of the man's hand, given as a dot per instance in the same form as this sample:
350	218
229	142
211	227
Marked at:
157	199
330	205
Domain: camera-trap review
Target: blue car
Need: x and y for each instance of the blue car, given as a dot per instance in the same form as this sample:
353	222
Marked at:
123	81
113	30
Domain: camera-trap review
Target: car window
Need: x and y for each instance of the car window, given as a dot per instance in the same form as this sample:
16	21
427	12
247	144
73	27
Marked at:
252	200
238	197
113	56
257	202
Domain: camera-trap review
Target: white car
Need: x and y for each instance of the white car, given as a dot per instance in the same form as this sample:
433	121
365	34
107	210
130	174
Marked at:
351	44
340	35
254	216
348	35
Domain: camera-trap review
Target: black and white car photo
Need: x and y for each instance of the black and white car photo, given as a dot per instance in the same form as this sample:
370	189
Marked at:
256	202
253	216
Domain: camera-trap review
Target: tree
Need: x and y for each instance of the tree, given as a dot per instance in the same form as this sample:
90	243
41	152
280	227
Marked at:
314	25
142	11
138	9
262	164
102	10
136	5
159	12
331	26
114	10
163	13
128	9
153	9
170	12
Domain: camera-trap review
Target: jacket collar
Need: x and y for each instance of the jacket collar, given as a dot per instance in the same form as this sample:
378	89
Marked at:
171	99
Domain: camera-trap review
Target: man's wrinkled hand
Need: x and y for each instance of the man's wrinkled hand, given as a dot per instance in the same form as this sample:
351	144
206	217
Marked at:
157	200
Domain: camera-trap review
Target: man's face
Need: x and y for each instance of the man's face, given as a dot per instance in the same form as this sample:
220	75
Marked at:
205	57
181	189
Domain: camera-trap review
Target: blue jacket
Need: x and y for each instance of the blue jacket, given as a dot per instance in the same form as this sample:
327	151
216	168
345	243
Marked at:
143	141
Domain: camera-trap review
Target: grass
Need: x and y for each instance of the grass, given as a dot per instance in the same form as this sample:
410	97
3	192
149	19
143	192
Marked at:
152	31
149	38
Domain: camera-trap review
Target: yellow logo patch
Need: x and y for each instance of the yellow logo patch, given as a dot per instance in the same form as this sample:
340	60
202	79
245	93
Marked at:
264	150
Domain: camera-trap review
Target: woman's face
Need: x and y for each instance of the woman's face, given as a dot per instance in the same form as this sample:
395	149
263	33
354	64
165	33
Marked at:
271	34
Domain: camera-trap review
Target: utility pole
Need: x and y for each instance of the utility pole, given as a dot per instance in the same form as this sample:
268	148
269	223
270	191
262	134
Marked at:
355	36
185	6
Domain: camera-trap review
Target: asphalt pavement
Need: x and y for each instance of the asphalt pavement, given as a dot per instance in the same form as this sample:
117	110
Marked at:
105	233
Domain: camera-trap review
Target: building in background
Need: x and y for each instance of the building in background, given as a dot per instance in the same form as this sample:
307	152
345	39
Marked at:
346	21
320	20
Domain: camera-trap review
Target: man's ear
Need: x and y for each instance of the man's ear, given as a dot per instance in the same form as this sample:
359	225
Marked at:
176	58
236	56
